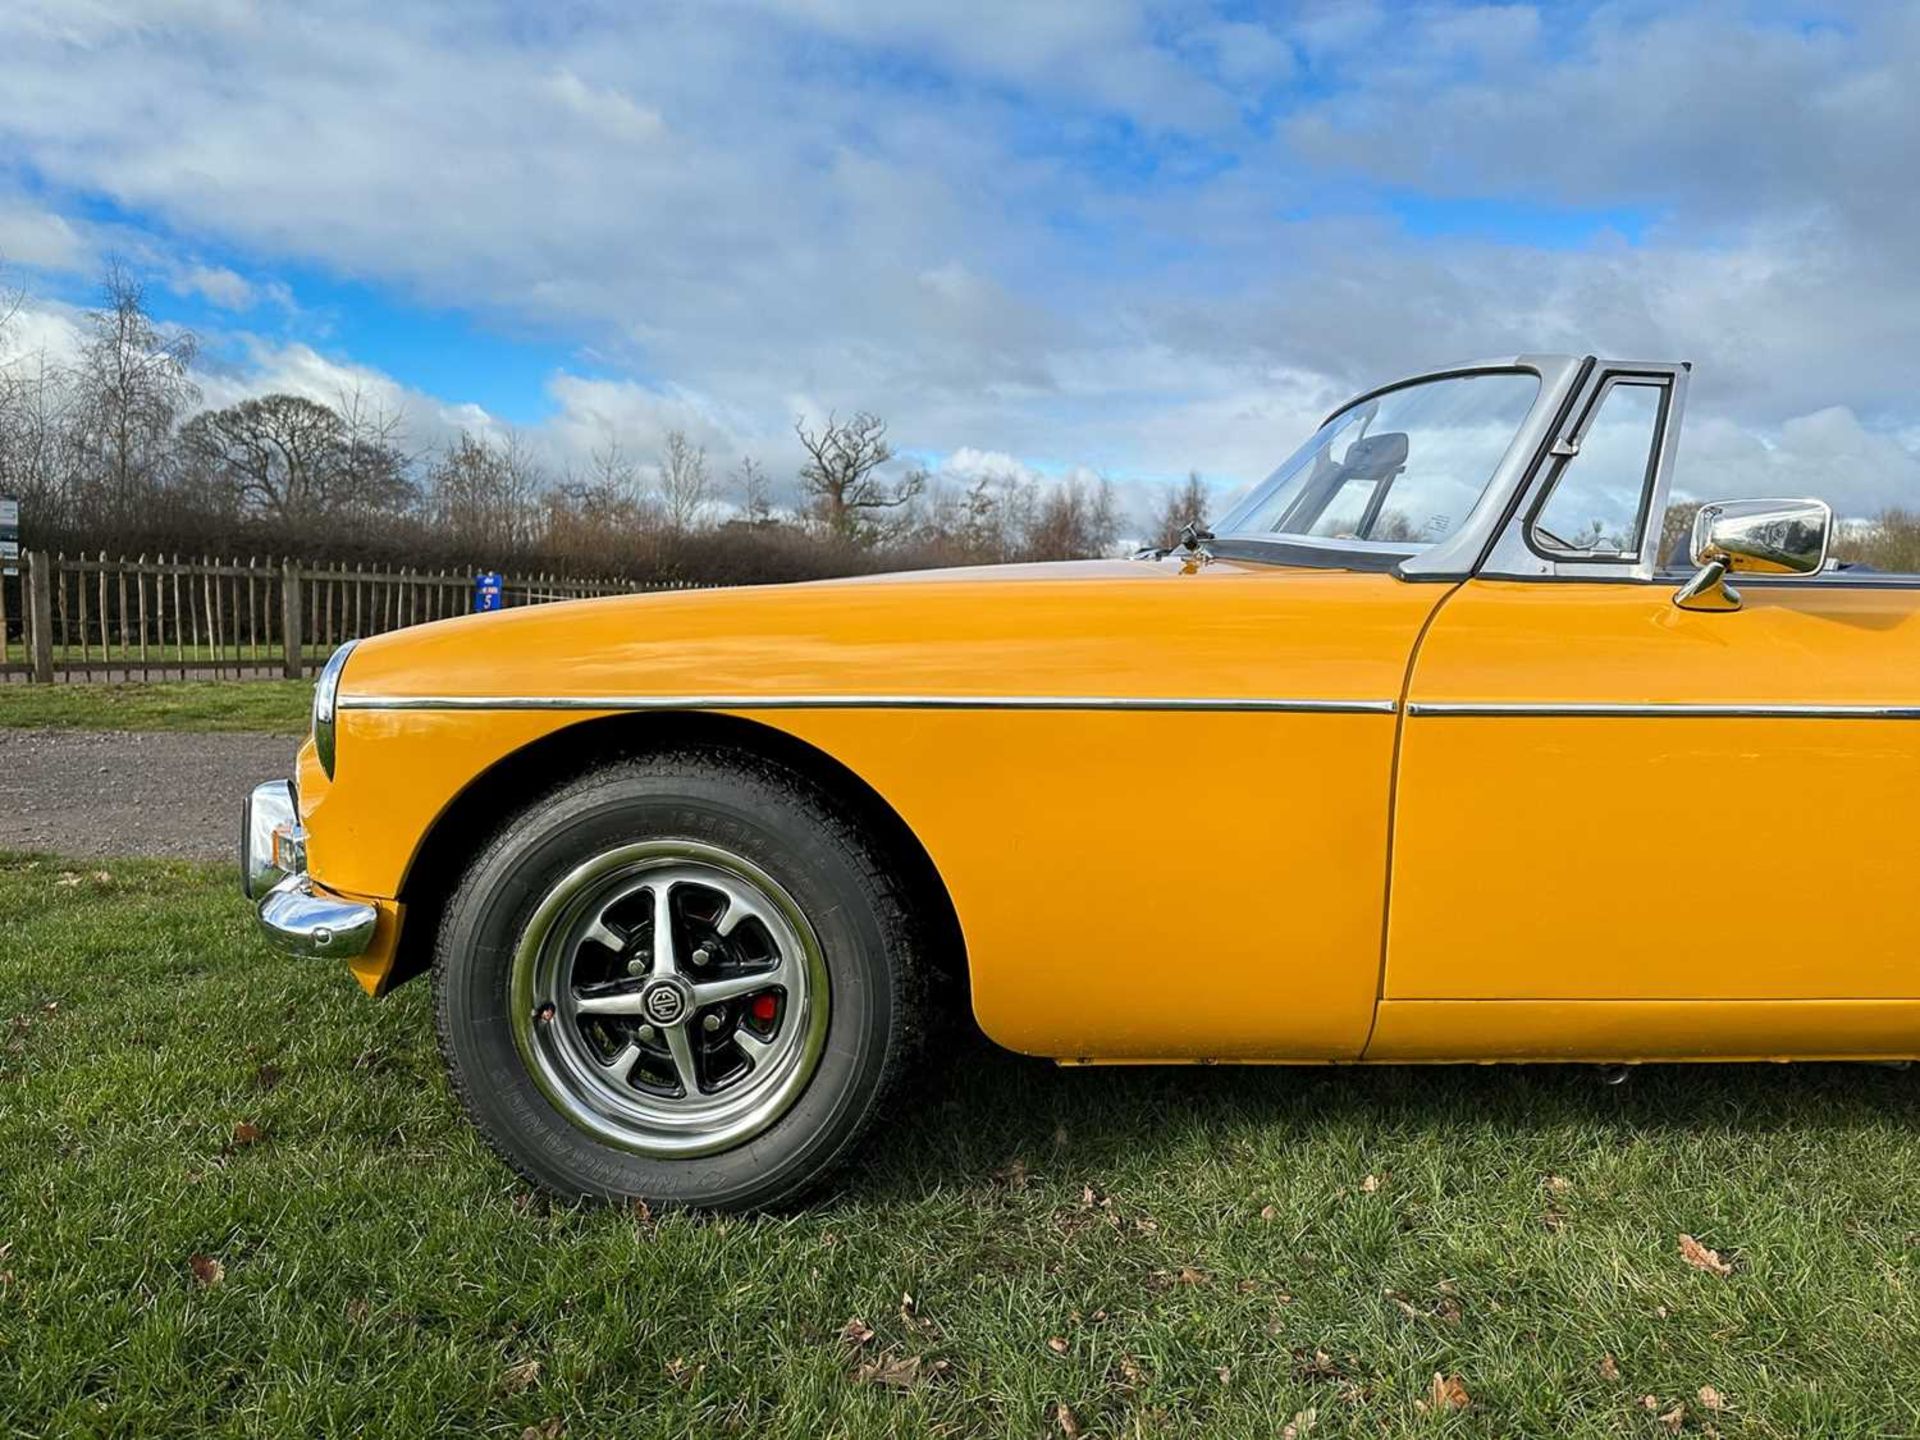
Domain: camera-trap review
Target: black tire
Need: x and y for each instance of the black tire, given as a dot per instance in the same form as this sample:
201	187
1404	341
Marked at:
795	833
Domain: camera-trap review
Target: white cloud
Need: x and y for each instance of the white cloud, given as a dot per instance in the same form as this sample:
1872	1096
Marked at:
40	332
1089	232
259	366
39	238
607	108
1827	454
225	288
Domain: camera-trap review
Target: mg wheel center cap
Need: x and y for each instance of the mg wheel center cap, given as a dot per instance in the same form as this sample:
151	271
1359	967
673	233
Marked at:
666	1001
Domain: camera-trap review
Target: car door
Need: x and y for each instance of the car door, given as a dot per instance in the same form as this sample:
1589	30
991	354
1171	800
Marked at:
1622	828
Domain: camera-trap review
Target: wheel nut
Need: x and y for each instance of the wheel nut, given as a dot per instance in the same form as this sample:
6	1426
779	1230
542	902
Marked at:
701	956
711	1024
647	1032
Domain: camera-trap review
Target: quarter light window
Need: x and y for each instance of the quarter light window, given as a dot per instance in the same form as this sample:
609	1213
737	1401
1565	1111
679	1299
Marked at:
1402	469
1597	508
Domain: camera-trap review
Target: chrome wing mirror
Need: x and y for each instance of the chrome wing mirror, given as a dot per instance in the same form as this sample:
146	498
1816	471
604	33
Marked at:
1753	537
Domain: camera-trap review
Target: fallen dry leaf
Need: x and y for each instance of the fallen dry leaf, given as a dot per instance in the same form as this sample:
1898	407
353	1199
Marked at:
1712	1398
1559	1184
246	1133
1609	1367
1370	1184
1068	1422
1268	1212
67	880
683	1374
551	1428
1675	1418
892	1372
1225	1372
1058	1345
1188	1275
1300	1426
1131	1375
1701	1258
1316	1366
207	1271
358	1310
516	1378
1649	1402
1447	1393
856	1332
1449	1310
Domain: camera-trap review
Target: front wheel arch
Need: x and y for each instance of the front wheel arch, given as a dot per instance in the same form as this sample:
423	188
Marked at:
515	781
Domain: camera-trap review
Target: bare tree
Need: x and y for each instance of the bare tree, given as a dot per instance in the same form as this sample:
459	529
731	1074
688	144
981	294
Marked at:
295	461
35	457
841	480
992	516
756	494
378	471
1184	506
611	476
484	494
684	482
12	299
129	385
1073	521
13	391
593	516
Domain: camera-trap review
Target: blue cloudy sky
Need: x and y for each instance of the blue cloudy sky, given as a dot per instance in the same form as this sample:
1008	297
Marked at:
1118	234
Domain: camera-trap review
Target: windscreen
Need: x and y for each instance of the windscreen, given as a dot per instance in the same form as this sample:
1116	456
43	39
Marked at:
1402	468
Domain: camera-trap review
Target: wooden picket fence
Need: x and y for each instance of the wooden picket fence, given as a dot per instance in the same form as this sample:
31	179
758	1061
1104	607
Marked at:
95	618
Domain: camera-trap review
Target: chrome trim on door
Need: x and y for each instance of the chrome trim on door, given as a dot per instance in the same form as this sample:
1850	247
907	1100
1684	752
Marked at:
858	702
1665	711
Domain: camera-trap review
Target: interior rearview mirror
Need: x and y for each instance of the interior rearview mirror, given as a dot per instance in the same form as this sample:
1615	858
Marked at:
1376	457
1753	537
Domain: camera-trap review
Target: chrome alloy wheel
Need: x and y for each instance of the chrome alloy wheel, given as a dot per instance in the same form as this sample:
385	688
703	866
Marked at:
670	998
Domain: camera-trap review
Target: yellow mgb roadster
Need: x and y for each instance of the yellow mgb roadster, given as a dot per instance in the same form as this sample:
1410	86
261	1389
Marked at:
1423	753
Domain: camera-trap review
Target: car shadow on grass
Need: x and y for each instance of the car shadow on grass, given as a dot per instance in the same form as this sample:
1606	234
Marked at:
980	1109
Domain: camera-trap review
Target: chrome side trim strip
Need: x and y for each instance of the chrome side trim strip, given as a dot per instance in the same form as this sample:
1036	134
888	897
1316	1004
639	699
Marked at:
858	702
1667	711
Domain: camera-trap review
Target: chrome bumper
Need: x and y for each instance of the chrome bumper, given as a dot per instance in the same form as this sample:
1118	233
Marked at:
295	914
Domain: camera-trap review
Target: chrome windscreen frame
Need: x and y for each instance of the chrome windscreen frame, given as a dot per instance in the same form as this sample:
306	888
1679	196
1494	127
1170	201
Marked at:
1462	552
1457	556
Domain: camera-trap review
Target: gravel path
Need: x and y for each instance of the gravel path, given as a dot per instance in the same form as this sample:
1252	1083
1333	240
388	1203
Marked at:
88	792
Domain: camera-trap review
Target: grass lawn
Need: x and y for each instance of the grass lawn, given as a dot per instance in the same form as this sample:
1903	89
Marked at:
277	707
235	1198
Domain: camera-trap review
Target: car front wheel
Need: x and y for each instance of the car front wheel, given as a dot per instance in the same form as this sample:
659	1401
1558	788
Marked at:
686	978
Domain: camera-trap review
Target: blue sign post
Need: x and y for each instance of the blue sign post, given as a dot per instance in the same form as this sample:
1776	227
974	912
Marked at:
487	591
